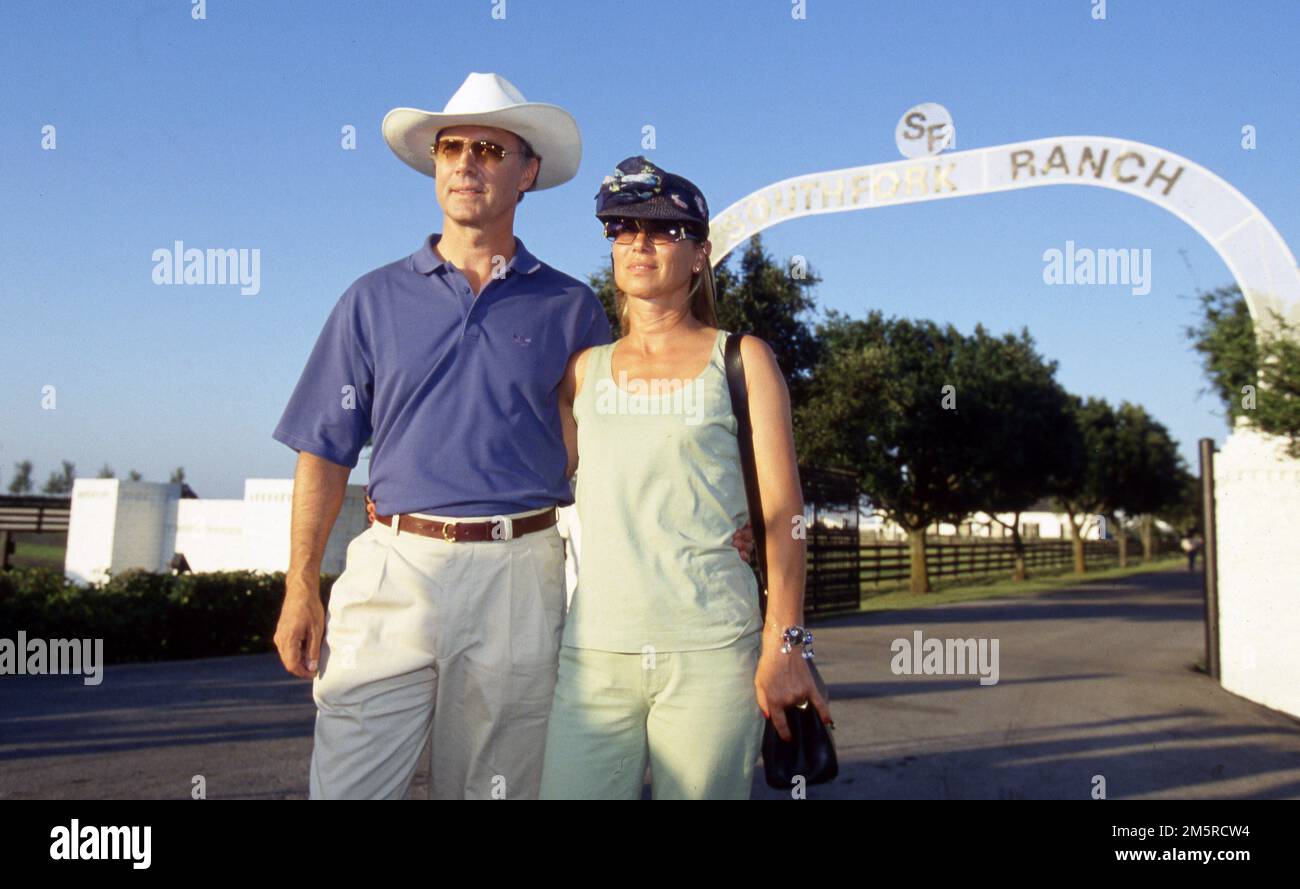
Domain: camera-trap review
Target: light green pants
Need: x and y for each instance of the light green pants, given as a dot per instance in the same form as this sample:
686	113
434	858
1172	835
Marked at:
692	715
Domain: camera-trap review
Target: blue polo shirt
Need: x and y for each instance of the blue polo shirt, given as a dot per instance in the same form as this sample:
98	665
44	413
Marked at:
460	393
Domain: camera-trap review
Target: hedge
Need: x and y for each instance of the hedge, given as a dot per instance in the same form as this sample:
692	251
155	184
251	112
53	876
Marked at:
144	616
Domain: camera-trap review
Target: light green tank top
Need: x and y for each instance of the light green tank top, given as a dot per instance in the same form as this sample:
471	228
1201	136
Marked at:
659	495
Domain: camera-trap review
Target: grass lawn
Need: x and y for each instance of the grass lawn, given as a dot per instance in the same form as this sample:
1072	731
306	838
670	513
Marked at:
39	550
893	597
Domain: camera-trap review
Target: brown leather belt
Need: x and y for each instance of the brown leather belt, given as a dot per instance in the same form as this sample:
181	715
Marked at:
505	528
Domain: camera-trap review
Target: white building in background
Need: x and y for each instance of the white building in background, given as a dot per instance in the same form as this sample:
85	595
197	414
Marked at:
117	525
1039	522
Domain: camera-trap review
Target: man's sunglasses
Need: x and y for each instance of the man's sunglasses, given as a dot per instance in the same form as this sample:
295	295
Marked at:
449	149
668	231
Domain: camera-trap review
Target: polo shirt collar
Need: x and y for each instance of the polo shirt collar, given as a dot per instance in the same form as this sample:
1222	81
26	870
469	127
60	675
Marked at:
426	261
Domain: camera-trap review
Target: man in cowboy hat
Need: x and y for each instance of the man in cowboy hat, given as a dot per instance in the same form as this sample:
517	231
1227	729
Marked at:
447	617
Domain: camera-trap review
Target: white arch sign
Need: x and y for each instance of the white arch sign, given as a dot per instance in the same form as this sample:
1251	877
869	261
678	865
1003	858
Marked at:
1251	247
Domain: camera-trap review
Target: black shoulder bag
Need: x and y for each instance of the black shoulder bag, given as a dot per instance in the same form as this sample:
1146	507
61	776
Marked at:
811	751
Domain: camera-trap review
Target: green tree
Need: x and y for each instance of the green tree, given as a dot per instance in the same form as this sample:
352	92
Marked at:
1185	514
881	404
178	476
106	471
1024	420
1147	472
1278	404
135	476
21	483
1256	378
61	482
1085	483
774	303
1226	340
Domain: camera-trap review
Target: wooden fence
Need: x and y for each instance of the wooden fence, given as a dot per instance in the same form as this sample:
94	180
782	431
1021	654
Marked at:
33	515
875	564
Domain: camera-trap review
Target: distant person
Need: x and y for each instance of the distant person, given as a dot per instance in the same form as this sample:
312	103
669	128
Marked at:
1191	545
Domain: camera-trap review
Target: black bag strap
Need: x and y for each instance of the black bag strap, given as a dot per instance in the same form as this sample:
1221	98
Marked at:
745	438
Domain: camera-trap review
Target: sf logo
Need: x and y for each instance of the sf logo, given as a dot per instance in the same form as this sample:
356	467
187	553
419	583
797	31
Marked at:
925	131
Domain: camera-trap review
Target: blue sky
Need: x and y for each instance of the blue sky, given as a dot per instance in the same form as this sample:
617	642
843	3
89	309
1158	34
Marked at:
226	133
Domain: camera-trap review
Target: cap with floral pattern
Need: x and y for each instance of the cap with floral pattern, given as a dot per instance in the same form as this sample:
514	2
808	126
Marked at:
642	190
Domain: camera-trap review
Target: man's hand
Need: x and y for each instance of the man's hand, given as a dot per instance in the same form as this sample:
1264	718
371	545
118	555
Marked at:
301	628
743	541
318	488
370	509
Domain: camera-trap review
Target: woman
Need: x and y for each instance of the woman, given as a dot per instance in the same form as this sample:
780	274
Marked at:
665	657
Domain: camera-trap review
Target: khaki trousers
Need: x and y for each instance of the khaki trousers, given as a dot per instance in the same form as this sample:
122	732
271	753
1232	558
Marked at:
455	639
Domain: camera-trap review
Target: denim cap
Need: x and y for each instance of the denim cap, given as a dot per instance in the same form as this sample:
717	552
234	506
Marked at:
641	190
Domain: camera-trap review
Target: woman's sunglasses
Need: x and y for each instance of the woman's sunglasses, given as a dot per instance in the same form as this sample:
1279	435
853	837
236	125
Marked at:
623	231
485	152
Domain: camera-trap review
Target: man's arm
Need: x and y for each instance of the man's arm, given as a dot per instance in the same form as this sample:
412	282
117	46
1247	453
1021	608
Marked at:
318	488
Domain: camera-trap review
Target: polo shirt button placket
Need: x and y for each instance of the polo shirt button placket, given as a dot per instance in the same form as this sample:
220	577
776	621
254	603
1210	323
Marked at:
466	331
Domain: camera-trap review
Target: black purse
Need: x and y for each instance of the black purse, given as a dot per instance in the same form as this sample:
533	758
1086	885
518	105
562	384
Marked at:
810	752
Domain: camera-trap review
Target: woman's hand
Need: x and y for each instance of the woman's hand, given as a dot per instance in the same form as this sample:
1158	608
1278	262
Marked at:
784	680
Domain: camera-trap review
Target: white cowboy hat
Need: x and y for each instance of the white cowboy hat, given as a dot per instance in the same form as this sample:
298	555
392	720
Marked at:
489	100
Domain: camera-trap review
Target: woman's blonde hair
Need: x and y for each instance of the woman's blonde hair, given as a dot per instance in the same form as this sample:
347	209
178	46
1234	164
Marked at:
701	296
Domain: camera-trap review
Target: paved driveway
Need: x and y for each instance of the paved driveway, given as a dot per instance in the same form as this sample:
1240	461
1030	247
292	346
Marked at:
1096	680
